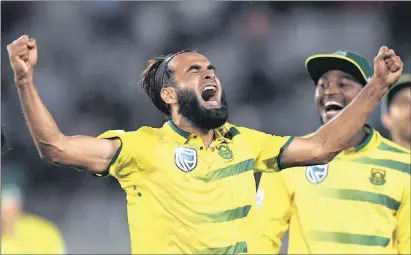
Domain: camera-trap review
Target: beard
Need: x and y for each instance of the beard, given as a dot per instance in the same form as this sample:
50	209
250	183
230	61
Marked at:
199	116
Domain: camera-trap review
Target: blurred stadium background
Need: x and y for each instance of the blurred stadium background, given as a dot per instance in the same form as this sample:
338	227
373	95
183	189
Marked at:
91	55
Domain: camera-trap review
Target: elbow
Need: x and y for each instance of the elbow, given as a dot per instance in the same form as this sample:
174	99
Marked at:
51	153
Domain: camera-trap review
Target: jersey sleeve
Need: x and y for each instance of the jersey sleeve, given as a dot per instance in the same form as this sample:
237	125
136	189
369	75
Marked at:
267	149
402	233
125	159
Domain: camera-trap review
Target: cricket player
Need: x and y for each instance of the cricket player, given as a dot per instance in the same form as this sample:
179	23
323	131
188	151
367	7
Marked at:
359	203
21	232
190	183
396	111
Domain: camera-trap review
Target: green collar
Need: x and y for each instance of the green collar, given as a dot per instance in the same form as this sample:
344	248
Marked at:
367	141
178	130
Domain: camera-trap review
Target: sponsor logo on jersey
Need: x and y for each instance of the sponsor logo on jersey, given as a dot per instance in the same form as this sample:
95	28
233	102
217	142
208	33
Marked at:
225	152
260	198
377	176
316	174
185	158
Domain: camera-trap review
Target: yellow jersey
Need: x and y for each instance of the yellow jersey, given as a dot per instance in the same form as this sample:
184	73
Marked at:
359	203
33	235
185	198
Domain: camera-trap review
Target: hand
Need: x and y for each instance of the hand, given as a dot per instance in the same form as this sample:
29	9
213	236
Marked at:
387	67
23	57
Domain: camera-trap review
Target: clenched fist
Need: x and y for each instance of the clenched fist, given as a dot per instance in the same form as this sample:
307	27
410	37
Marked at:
387	67
23	57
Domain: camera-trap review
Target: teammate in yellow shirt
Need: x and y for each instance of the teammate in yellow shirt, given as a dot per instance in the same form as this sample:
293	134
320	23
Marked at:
359	203
24	233
396	111
189	184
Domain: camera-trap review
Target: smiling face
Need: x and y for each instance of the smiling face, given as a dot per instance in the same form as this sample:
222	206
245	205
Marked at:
335	90
197	94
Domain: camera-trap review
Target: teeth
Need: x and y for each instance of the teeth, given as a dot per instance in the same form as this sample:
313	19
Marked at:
333	103
209	87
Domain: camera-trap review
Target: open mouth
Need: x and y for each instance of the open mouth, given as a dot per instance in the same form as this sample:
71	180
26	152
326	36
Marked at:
332	106
209	93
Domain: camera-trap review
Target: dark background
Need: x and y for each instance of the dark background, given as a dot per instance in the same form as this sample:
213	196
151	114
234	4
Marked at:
92	53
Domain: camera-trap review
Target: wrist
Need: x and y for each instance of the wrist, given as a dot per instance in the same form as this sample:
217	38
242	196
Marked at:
22	82
377	88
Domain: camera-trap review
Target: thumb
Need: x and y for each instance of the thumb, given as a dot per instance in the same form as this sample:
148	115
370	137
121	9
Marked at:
32	45
20	67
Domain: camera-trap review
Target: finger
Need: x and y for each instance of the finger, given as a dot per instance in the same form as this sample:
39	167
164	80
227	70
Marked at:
19	42
23	38
32	44
383	49
397	59
385	55
25	56
17	51
395	67
389	62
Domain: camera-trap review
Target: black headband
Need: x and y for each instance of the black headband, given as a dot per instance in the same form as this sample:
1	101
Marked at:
159	76
158	83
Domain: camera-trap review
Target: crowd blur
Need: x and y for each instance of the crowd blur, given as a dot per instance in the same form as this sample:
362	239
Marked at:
91	55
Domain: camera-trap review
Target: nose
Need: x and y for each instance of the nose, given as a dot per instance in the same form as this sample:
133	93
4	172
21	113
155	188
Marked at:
331	88
209	75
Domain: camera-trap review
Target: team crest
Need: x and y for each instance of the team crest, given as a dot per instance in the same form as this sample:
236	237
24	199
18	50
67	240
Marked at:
316	174
185	158
377	176
225	152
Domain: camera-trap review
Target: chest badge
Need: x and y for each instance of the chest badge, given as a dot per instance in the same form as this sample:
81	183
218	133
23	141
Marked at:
185	158
225	152
316	174
377	176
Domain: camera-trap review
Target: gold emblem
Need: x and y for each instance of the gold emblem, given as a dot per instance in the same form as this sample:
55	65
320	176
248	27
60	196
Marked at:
225	152
377	176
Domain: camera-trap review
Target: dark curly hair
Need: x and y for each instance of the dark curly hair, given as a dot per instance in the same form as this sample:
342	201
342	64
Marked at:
153	86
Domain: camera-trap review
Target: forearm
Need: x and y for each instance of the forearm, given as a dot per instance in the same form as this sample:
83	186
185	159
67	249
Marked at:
41	124
336	134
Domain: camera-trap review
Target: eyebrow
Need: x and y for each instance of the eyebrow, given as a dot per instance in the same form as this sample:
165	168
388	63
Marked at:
198	67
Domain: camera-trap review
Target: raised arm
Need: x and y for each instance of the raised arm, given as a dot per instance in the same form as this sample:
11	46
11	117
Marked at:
333	137
81	152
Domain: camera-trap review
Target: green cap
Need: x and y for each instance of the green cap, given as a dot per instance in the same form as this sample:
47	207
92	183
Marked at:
346	61
403	82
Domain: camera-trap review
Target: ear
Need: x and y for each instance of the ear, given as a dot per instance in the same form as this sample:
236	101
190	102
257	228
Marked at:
169	95
386	121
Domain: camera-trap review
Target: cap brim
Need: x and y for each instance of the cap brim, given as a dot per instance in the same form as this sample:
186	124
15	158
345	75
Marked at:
395	89
318	65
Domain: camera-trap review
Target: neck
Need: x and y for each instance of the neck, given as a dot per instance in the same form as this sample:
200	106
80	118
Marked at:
183	124
403	141
358	138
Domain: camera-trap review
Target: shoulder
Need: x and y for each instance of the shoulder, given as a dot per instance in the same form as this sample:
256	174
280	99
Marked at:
144	132
387	145
244	131
39	223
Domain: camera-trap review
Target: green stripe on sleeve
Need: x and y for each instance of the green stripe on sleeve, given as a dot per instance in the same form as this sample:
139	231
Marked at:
364	196
240	247
395	165
385	147
279	163
228	171
348	238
